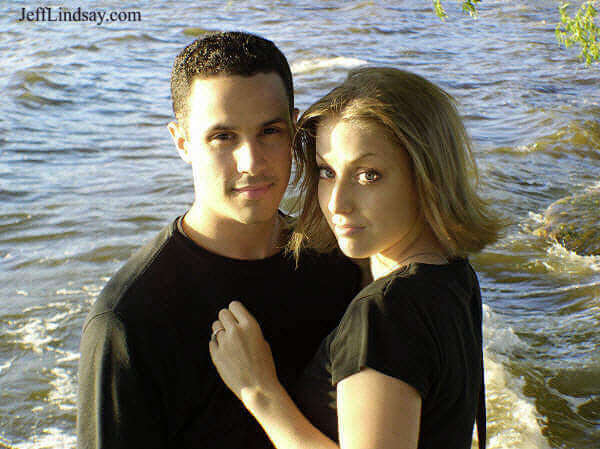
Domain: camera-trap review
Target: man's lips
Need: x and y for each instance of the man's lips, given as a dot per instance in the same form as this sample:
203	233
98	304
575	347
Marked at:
254	191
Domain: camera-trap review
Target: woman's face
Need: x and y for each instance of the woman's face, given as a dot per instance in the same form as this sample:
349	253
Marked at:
366	187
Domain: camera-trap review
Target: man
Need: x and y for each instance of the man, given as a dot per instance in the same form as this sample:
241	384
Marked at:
145	375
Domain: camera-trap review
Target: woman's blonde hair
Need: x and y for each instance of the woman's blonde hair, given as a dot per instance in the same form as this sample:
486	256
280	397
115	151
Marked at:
423	120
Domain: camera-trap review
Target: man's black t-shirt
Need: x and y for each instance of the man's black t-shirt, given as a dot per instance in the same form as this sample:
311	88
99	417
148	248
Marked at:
145	377
422	327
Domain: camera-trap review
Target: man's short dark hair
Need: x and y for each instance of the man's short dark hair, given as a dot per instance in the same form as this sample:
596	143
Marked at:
228	53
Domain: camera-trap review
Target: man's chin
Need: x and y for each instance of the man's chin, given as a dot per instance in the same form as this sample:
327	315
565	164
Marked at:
255	217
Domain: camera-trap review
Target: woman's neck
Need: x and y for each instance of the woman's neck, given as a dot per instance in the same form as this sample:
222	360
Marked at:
426	249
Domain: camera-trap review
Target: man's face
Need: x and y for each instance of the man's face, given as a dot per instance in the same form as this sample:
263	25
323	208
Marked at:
238	142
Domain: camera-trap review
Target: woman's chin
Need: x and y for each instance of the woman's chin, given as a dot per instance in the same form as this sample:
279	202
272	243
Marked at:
353	251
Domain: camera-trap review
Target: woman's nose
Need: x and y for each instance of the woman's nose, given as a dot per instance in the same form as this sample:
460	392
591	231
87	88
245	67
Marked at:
340	201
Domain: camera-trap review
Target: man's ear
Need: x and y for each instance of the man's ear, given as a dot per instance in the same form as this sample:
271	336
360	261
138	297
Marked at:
296	112
178	135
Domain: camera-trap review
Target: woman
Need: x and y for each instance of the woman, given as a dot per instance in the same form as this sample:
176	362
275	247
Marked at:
388	175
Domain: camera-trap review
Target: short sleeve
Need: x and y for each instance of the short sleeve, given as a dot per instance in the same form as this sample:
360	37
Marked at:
387	333
115	404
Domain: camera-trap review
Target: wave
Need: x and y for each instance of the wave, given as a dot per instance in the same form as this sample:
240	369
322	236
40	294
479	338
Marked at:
571	223
580	137
560	259
513	421
563	260
6	365
142	37
32	77
29	100
49	438
195	32
64	389
313	65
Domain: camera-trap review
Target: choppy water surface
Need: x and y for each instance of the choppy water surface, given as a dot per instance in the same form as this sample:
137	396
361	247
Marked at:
88	173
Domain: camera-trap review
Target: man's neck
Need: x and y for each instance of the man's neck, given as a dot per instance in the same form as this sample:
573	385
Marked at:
233	239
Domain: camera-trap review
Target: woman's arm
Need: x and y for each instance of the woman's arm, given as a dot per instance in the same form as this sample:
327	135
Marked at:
374	410
377	411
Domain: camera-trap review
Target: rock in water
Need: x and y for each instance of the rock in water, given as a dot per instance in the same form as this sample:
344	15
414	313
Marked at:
574	222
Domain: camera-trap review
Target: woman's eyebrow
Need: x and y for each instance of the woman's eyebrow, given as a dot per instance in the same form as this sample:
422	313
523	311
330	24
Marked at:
362	156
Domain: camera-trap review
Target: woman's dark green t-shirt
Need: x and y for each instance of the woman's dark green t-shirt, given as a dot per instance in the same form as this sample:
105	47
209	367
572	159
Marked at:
422	326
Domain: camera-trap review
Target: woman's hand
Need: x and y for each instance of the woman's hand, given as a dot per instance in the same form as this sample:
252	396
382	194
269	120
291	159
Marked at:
244	361
241	355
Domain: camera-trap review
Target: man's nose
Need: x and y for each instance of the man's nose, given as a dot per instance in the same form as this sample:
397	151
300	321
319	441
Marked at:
250	157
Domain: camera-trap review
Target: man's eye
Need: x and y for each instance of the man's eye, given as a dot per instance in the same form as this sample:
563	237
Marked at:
368	177
326	173
271	130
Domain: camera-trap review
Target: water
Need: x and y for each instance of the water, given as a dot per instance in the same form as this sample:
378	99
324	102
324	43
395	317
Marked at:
88	173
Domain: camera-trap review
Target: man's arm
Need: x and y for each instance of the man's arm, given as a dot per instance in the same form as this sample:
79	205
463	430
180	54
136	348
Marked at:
116	408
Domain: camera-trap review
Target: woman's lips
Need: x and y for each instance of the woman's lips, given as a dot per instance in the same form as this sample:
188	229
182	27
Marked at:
347	230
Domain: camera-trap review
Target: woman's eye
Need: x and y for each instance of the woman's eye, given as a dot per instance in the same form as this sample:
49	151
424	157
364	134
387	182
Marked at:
368	177
325	173
222	136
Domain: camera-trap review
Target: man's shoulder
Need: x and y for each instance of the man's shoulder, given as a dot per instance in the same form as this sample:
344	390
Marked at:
331	272
128	278
323	264
334	260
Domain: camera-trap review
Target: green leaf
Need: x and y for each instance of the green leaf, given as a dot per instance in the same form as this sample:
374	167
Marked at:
581	30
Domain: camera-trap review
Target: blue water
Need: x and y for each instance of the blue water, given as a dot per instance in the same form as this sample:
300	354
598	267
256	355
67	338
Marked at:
88	173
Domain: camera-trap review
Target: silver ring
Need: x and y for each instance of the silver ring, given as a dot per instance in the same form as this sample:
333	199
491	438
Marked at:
214	334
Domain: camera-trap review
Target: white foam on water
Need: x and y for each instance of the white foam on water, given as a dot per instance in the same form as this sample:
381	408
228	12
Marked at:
68	356
537	218
34	332
22	293
32	335
529	148
593	187
563	260
6	365
55	305
64	291
313	65
512	419
497	336
91	289
64	394
51	438
54	322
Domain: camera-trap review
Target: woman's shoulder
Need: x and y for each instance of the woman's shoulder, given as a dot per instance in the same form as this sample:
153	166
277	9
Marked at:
419	284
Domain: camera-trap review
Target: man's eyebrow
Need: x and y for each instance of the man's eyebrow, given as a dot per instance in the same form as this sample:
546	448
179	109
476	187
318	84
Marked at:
275	120
362	156
225	126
